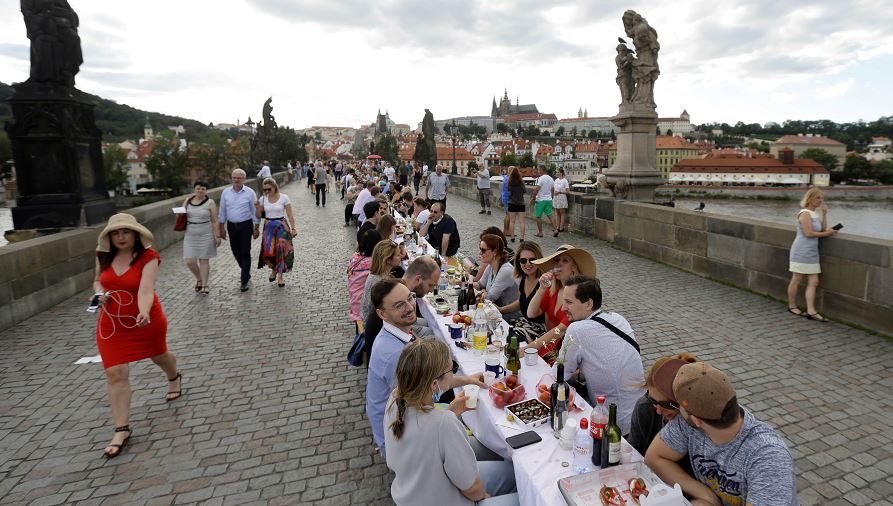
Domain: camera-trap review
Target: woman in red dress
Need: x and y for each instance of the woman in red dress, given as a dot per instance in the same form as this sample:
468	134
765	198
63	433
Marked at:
549	298
131	325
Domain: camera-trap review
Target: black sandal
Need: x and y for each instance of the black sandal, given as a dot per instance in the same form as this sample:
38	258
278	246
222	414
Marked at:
796	311
817	318
198	285
177	393
119	447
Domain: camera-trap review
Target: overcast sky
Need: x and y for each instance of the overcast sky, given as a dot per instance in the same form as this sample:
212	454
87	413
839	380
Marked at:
336	62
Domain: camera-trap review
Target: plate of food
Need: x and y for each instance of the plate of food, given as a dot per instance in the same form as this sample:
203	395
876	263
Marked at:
531	412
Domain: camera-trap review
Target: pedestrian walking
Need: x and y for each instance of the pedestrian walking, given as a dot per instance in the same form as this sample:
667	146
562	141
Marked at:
276	250
542	201
131	325
201	240
515	207
438	186
321	183
483	182
237	219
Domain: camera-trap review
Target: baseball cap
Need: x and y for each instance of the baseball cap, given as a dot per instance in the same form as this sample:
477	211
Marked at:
663	376
702	390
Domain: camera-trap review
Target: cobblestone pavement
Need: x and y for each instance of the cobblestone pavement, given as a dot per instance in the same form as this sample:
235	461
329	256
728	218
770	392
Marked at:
272	413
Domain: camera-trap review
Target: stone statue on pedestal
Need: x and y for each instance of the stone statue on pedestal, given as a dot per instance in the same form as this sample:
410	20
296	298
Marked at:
52	26
56	145
634	175
644	66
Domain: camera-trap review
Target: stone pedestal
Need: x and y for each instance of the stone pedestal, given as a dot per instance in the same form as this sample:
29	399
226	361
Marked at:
58	159
634	175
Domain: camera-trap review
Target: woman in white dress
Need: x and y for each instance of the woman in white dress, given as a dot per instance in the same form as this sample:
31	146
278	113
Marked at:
812	223
200	241
277	251
559	200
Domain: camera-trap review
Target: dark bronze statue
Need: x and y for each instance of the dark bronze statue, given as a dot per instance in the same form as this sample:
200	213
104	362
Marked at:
52	26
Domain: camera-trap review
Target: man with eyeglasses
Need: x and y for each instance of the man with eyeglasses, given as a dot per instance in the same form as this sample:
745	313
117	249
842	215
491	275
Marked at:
594	344
420	278
396	306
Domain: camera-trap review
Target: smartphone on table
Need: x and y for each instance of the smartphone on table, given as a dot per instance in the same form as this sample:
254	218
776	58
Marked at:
524	439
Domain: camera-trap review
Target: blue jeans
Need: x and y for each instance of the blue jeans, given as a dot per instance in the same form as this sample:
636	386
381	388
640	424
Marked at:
498	477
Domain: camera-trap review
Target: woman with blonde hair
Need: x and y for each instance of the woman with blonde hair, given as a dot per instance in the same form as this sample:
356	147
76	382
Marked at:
812	223
658	406
276	251
427	448
386	256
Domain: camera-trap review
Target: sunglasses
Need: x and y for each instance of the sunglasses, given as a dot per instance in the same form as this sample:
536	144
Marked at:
525	261
454	370
268	190
484	250
663	404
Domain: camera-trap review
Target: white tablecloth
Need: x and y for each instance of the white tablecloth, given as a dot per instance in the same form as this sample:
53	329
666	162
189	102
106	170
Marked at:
538	467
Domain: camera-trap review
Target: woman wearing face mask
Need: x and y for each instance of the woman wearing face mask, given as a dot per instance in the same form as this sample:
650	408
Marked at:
558	267
200	242
428	449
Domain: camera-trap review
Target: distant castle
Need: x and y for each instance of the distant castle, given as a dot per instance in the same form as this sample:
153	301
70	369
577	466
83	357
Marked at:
505	107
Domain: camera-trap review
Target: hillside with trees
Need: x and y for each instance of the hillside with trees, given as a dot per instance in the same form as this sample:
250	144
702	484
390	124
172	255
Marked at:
117	122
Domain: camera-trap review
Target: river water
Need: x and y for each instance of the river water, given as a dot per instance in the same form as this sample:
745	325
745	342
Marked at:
873	219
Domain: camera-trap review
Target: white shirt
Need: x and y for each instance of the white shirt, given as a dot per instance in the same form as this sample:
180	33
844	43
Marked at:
264	171
545	182
561	185
399	334
275	209
422	217
611	366
389	172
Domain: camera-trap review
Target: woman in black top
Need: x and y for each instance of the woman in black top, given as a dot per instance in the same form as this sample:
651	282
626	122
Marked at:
527	274
515	207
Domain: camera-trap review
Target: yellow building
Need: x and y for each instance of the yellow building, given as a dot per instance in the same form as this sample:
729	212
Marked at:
670	151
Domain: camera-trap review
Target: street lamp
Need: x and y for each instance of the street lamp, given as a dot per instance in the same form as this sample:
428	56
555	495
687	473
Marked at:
453	129
250	124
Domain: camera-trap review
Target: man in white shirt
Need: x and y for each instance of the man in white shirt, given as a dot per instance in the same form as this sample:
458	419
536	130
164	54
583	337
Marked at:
438	186
365	196
610	363
389	172
263	173
541	201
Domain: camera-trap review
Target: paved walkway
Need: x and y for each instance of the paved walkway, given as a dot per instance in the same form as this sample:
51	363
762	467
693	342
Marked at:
272	413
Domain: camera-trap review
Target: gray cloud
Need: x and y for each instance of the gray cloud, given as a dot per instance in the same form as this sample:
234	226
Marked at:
167	82
436	28
15	51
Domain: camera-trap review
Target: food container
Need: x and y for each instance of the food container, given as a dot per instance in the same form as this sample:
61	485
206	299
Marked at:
507	391
531	413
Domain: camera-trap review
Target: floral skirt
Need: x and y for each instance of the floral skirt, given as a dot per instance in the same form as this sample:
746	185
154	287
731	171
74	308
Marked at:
276	249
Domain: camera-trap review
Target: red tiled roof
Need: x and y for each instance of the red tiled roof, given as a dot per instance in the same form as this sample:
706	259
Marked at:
816	140
527	116
584	119
673	142
764	165
446	153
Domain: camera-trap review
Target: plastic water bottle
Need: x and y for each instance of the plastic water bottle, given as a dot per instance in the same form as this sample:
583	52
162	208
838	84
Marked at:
583	448
479	330
442	284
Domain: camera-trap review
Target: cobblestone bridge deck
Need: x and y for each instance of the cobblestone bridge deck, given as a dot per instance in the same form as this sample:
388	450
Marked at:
272	413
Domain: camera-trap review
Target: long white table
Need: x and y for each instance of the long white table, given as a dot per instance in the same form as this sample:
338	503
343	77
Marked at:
538	467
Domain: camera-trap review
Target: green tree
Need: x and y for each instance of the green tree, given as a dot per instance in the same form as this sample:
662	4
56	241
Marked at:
209	155
825	158
114	164
420	155
508	158
885	171
290	144
593	134
472	166
559	132
502	128
857	167
167	165
527	160
387	148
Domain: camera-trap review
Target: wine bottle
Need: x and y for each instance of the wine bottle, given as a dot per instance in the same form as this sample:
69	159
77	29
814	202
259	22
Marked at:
461	303
611	437
558	408
512	362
